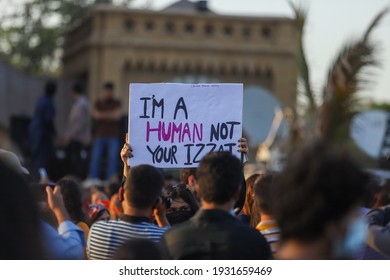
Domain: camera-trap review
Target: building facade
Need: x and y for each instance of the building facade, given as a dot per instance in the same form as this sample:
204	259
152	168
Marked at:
182	44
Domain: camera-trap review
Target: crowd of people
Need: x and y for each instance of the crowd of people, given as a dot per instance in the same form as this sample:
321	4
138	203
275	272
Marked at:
85	155
322	205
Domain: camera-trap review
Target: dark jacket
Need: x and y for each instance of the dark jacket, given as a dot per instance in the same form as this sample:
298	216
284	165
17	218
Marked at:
215	235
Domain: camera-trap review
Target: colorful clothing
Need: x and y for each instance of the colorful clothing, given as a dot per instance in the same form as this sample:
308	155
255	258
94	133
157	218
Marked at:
85	228
271	232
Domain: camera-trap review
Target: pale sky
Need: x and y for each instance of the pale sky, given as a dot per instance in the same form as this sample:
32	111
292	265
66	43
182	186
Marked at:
330	24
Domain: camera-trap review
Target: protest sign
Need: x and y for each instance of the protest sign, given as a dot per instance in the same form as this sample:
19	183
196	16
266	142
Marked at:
175	125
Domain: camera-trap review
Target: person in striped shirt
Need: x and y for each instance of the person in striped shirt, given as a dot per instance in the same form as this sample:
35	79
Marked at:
141	202
267	225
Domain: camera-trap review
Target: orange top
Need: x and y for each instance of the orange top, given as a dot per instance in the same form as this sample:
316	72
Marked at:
85	228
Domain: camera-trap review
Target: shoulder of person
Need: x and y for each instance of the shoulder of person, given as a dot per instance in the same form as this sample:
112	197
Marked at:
257	240
82	225
99	225
248	232
179	229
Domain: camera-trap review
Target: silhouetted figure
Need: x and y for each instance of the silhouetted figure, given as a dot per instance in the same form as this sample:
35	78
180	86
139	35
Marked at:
42	130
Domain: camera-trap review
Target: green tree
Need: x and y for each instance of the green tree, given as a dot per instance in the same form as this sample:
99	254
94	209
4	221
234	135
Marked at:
31	36
379	106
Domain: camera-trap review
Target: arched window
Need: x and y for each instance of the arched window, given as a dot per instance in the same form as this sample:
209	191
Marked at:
150	25
266	32
129	25
246	32
189	28
228	31
169	28
208	30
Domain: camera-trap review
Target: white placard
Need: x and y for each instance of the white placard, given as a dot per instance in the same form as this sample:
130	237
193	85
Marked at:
175	125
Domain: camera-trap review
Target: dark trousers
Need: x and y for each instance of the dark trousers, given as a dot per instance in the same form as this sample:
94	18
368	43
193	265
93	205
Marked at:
77	159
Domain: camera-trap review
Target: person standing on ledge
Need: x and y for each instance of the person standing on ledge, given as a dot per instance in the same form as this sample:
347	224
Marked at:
78	135
42	129
106	115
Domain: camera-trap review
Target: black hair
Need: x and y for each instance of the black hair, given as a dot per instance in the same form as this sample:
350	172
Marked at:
20	232
71	192
50	88
143	186
77	88
263	190
181	191
219	176
318	186
108	85
112	188
185	173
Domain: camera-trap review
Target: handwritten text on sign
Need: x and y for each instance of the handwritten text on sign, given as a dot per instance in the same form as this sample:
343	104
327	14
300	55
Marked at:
175	125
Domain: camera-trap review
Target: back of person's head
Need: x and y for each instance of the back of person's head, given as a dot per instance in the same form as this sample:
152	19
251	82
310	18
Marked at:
263	188
20	230
112	188
71	192
138	249
219	176
108	86
169	180
50	88
11	160
185	173
255	213
77	89
317	188
143	186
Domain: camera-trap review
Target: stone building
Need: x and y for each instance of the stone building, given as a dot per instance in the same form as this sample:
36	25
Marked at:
186	42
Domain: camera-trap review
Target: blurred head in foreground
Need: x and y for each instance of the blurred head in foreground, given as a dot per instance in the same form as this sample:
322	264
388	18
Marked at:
20	229
316	202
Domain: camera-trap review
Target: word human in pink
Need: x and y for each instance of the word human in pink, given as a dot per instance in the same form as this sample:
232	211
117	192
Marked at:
175	132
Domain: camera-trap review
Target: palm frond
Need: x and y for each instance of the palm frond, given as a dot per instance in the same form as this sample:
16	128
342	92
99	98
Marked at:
375	22
303	70
345	78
